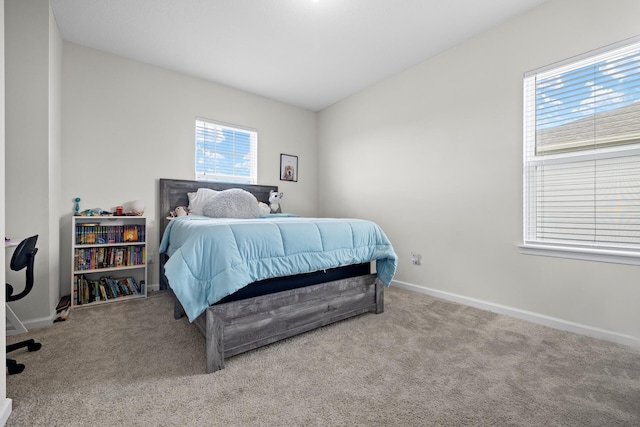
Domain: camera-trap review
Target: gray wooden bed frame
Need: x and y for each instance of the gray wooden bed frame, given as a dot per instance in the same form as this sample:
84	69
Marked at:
235	327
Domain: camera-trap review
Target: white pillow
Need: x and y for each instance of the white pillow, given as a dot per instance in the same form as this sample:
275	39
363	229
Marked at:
198	199
233	203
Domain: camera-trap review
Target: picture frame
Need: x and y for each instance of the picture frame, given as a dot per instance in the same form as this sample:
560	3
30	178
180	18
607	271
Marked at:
288	168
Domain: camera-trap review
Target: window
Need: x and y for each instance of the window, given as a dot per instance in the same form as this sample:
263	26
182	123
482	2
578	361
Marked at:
226	153
582	155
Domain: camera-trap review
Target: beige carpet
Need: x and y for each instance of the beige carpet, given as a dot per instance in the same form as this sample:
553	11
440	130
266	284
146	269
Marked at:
423	362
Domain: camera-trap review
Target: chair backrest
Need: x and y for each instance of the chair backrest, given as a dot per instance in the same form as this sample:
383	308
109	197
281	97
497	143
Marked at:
24	256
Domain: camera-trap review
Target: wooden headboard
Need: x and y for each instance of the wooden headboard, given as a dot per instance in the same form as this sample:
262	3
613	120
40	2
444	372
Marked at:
173	192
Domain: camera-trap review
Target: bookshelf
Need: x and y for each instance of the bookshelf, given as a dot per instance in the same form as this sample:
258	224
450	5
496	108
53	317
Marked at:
108	259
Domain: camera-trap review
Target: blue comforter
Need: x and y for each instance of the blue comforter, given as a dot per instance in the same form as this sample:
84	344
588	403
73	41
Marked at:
212	258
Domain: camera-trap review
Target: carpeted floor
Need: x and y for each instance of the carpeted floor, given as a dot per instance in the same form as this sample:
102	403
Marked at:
423	362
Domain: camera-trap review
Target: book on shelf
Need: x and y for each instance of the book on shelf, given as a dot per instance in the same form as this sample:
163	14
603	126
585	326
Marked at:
108	257
119	257
87	291
95	233
130	233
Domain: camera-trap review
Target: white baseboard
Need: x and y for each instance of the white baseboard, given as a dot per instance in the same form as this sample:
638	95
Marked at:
153	287
5	411
541	319
31	324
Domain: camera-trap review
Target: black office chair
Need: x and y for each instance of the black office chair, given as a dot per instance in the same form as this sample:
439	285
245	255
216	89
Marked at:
23	256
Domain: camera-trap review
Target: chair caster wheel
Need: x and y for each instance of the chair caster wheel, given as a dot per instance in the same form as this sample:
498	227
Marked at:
34	346
13	367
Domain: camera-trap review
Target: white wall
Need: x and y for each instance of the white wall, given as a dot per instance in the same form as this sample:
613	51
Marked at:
5	404
434	155
55	151
32	150
125	124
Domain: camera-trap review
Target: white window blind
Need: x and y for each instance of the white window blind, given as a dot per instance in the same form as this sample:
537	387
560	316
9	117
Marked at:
226	153
582	152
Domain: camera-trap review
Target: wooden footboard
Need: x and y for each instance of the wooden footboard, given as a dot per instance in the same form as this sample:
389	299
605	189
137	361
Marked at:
244	325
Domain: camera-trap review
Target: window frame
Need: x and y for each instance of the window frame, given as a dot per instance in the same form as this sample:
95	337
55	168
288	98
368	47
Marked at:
536	245
252	178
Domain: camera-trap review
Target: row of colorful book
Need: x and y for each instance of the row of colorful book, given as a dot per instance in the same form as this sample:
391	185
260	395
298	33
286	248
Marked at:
97	234
108	257
86	290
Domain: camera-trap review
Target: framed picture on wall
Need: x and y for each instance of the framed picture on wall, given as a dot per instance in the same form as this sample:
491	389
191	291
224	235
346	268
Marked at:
288	168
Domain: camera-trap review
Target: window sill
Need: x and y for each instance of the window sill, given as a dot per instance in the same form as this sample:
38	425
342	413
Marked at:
600	255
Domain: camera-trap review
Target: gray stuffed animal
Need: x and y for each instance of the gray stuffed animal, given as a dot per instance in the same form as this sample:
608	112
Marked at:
274	201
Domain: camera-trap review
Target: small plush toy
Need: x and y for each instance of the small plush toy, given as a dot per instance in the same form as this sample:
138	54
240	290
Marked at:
264	208
179	211
274	201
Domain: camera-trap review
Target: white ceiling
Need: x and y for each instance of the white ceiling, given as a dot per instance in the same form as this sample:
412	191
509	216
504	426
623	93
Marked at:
308	53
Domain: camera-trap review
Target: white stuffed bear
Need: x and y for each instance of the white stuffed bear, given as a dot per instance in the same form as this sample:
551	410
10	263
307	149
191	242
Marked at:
179	211
274	201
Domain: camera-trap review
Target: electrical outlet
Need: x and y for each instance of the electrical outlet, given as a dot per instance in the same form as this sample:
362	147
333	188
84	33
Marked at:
150	258
415	258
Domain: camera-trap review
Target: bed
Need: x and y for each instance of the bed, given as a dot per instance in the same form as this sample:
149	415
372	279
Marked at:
256	302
